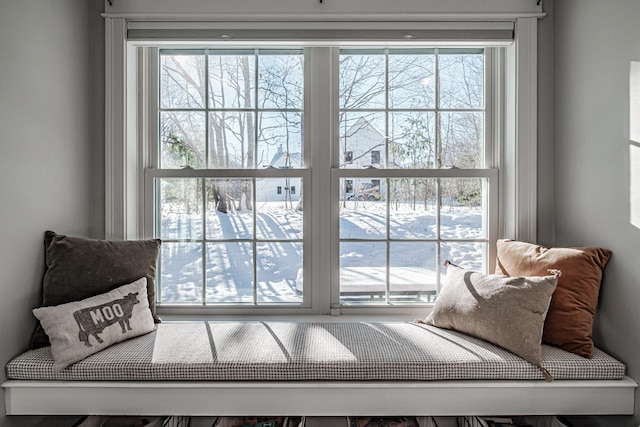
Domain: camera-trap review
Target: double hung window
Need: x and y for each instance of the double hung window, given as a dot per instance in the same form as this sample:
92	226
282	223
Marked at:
408	174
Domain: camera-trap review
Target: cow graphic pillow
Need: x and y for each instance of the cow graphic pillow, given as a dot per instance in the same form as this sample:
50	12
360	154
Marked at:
79	329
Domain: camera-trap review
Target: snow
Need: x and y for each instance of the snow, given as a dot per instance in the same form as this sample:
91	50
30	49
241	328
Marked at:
229	262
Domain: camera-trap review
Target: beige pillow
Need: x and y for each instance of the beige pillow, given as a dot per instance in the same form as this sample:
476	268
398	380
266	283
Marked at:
79	329
569	323
506	311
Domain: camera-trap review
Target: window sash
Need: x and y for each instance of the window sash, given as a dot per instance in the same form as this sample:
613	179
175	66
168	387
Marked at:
207	109
490	212
488	108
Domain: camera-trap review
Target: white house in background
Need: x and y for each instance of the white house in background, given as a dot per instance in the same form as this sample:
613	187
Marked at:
281	189
362	147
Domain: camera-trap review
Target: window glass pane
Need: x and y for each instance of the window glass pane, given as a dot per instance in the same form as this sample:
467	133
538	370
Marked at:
280	80
229	272
279	272
181	273
360	135
229	209
362	81
413	143
462	210
412	271
461	79
232	79
363	212
182	81
363	272
468	255
180	208
231	140
182	139
413	208
411	80
280	140
279	214
462	139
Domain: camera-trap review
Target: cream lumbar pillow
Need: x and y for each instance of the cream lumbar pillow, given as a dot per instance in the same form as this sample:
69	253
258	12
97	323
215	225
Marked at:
79	329
506	311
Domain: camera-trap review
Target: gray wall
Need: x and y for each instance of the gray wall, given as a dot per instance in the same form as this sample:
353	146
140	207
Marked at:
546	228
50	150
594	44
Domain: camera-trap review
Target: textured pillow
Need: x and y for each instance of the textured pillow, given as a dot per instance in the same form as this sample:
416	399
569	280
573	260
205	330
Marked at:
506	311
78	268
79	329
569	323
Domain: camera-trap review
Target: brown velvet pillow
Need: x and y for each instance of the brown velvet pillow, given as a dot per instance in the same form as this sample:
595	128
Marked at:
569	322
77	268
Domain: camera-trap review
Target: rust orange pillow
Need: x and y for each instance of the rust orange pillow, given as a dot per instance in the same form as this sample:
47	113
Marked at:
569	321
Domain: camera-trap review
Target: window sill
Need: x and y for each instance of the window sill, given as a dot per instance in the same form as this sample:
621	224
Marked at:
320	318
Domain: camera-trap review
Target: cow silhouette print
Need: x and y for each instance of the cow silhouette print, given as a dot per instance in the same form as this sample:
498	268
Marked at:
93	320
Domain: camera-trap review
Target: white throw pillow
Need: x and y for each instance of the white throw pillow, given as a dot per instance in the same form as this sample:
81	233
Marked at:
81	328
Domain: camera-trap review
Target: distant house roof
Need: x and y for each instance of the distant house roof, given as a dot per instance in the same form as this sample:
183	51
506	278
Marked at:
362	125
280	159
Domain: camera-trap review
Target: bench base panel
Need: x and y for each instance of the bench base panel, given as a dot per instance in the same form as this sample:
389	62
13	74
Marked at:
320	398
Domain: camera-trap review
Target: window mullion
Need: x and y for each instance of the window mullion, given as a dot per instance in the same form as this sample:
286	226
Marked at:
207	148
204	241
324	210
254	243
256	132
387	139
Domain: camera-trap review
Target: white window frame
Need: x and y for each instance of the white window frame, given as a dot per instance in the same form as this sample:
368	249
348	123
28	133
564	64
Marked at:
127	148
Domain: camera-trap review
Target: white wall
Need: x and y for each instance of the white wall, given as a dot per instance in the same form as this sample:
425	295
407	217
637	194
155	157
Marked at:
50	145
594	44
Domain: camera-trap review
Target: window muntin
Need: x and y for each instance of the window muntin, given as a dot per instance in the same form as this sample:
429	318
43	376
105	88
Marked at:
423	108
227	209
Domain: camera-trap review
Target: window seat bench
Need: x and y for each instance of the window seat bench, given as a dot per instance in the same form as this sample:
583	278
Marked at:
316	369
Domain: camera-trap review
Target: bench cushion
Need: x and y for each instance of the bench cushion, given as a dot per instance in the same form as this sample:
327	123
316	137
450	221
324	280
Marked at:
290	351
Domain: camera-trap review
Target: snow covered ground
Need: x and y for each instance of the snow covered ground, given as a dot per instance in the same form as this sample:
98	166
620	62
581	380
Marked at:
229	263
